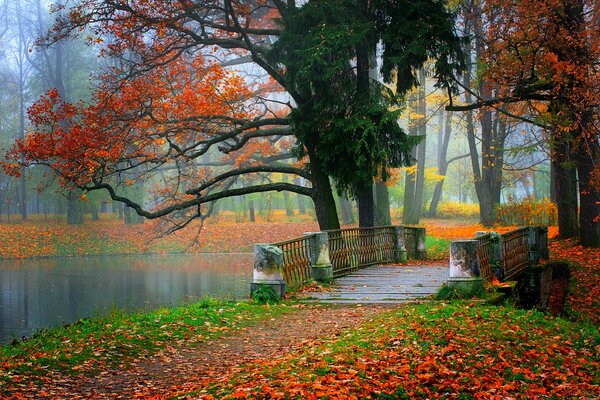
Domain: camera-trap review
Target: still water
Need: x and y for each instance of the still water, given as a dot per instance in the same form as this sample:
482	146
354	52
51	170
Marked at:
37	294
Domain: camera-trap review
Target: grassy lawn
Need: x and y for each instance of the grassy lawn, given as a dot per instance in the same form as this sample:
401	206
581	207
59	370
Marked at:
437	248
113	341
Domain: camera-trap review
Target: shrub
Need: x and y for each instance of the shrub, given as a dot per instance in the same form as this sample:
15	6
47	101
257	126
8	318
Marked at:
528	212
265	294
450	209
446	292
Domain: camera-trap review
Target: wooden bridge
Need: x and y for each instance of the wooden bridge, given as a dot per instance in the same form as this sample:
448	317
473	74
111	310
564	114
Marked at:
373	265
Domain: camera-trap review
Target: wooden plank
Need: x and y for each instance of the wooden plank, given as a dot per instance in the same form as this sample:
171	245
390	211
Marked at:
385	284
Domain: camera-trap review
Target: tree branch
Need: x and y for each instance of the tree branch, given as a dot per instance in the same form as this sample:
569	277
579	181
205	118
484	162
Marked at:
249	170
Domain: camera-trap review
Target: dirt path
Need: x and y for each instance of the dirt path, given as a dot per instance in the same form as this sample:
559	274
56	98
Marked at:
180	370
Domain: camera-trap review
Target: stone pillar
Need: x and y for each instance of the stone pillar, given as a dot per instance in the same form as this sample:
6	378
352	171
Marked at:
268	269
542	232
464	265
321	269
400	255
421	253
533	245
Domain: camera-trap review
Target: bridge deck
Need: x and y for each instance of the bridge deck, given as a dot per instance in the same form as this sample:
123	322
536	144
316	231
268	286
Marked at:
385	284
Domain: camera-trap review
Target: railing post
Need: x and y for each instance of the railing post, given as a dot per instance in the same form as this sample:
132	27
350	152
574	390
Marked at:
421	250
400	255
268	269
321	269
496	252
464	265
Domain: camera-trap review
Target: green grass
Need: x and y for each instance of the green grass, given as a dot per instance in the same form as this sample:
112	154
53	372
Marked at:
437	350
115	340
437	249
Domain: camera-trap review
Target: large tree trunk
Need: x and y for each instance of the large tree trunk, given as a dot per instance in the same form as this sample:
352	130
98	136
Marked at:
346	209
322	195
74	208
366	209
565	183
587	158
382	205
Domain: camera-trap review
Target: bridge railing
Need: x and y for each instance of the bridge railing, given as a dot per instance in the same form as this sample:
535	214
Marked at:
323	256
355	248
515	252
483	254
491	255
296	260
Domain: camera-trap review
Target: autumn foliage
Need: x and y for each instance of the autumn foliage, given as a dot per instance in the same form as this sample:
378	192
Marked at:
183	102
528	212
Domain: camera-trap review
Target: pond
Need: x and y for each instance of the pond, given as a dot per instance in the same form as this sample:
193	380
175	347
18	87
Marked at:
42	293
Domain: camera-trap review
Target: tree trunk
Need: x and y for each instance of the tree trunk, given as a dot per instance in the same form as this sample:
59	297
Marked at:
366	209
565	183
74	209
488	176
251	210
301	198
587	158
322	196
408	211
382	205
346	209
22	47
95	211
553	196
421	150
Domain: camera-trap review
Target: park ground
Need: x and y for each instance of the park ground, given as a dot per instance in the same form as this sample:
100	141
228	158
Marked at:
295	350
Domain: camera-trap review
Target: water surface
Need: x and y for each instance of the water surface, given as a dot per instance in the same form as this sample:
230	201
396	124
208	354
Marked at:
42	293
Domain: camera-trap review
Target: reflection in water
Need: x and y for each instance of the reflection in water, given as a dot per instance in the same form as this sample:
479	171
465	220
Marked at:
38	294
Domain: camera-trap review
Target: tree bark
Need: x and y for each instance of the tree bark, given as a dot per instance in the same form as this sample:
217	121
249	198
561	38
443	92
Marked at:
74	209
565	183
322	195
366	210
382	205
346	209
587	157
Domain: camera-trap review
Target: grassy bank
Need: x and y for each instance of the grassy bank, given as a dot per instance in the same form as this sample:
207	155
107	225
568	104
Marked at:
453	350
113	341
